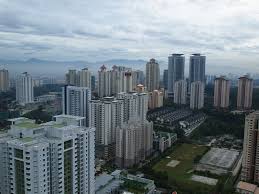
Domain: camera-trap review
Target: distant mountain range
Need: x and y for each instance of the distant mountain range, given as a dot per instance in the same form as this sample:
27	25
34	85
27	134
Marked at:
38	67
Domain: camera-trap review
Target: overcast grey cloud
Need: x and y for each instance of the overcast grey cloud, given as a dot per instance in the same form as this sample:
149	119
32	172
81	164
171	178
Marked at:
225	30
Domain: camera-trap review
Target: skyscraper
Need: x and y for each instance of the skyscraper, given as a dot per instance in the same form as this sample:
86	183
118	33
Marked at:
4	80
24	89
221	92
245	93
134	142
55	157
250	162
165	79
197	95
75	101
104	82
72	77
180	92
197	68
135	105
92	82
106	115
176	63
152	75
84	77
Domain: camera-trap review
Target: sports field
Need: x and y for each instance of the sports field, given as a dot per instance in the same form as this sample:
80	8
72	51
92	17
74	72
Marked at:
181	174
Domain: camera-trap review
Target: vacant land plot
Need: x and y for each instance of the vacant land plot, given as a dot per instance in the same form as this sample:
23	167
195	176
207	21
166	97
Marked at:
180	176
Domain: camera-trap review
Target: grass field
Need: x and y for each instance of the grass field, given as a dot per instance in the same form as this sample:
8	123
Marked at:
181	174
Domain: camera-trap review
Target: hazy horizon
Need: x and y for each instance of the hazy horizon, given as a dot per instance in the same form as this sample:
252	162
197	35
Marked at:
223	30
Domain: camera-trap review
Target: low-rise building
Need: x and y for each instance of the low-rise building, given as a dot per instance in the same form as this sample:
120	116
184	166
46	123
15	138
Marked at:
246	188
192	122
164	140
118	182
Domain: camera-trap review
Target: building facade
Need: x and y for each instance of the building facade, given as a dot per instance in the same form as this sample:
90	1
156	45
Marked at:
250	162
72	78
55	157
245	93
134	142
84	77
156	99
104	82
176	63
221	92
152	75
197	68
24	89
197	95
135	105
75	101
180	92
4	80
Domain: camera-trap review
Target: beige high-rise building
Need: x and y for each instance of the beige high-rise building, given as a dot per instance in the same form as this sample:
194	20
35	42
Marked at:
180	92
221	92
250	162
152	75
4	80
134	142
140	88
84	77
197	95
156	99
245	93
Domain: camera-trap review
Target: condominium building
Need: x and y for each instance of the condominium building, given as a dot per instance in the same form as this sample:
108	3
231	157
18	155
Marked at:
197	95
106	115
152	75
135	105
156	99
75	101
4	80
176	63
104	82
54	157
197	68
72	77
84	77
245	93
250	162
119	79
180	92
221	92
134	142
24	89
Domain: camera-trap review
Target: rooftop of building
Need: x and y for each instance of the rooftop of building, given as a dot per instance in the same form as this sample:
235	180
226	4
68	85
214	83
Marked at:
220	158
247	186
69	117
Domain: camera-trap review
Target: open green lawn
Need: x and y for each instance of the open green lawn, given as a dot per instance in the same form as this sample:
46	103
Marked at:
180	175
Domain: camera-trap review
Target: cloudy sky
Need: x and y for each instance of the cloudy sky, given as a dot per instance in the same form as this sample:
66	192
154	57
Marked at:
227	31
